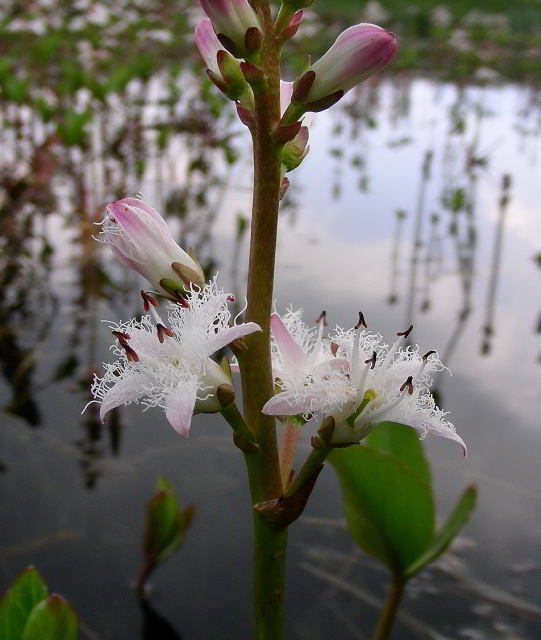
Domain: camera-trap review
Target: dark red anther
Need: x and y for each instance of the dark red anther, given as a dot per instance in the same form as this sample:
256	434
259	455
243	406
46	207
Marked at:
334	348
322	318
163	331
407	332
409	385
130	353
230	298
361	322
428	354
181	301
148	300
121	335
372	360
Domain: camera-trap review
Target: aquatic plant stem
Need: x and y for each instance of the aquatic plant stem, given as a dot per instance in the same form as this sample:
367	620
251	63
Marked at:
390	609
255	364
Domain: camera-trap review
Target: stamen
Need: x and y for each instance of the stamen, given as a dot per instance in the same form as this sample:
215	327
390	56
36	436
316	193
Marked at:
372	360
409	385
334	348
163	331
406	333
319	340
355	365
231	298
130	353
424	361
322	318
401	334
174	291
148	300
361	322
121	335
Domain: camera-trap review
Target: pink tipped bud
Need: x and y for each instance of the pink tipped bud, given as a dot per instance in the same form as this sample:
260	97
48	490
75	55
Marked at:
222	68
295	152
358	53
208	45
232	19
292	27
141	240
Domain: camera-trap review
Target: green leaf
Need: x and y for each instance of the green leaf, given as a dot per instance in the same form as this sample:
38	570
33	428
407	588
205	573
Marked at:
24	594
402	442
387	498
443	538
51	619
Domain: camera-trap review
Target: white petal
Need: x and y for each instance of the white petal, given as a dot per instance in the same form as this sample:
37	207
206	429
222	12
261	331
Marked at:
179	408
292	355
127	389
288	403
227	336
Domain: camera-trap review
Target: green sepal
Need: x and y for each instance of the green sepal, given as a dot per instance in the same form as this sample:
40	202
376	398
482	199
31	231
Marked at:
235	83
51	619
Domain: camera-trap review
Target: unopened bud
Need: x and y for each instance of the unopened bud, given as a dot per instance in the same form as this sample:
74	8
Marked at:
295	151
358	53
231	20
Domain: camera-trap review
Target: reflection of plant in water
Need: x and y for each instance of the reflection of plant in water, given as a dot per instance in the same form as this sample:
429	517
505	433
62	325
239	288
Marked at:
25	262
488	328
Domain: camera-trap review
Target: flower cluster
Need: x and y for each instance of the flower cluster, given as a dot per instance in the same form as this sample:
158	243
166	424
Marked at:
166	363
355	378
233	31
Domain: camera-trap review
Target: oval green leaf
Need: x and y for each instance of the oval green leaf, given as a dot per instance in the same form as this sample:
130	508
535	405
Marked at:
387	496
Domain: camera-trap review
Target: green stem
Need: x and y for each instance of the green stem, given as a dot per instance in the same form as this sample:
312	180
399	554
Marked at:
256	371
269	558
313	462
390	609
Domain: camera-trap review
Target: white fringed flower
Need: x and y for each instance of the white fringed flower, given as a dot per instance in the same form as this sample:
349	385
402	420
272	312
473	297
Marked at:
169	366
302	363
378	383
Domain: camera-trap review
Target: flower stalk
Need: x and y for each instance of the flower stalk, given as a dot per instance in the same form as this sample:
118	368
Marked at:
390	609
255	364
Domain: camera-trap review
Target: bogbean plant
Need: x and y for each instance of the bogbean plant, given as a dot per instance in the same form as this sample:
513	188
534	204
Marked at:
354	386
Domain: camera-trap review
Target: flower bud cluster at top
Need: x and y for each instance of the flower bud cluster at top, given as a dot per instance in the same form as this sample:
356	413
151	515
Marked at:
233	31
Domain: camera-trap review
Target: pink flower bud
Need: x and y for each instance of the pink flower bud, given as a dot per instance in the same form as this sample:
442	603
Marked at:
358	53
208	45
141	240
232	19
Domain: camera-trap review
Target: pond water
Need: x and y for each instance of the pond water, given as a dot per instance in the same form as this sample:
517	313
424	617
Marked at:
458	262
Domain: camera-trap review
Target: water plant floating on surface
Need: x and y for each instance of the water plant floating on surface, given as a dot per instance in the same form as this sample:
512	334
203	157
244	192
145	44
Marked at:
351	381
